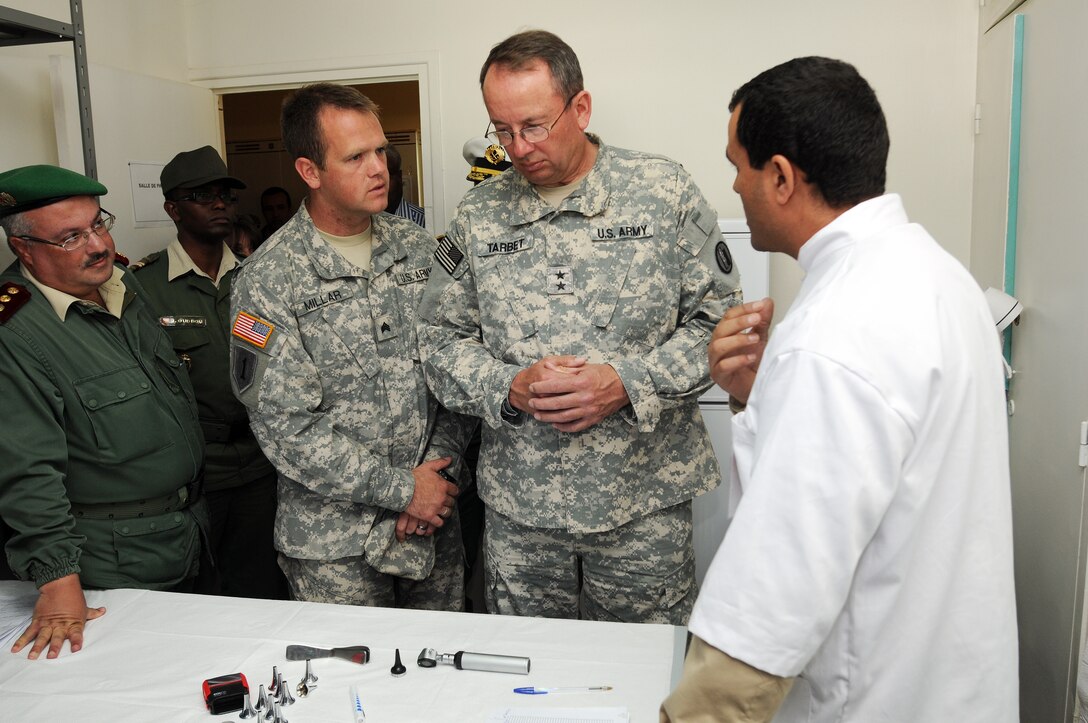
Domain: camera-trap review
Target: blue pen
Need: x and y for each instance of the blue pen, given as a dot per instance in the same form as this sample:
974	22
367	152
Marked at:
572	689
357	705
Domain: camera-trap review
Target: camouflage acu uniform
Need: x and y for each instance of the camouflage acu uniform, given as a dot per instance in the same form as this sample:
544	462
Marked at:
324	356
630	270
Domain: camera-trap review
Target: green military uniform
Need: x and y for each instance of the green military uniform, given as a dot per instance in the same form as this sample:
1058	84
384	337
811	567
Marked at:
102	449
195	314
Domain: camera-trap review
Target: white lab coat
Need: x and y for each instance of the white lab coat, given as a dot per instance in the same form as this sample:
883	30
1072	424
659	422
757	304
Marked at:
871	548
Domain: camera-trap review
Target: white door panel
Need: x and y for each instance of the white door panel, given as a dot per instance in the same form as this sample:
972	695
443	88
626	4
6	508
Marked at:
1050	347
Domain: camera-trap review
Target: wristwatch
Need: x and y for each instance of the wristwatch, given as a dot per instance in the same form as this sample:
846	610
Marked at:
508	412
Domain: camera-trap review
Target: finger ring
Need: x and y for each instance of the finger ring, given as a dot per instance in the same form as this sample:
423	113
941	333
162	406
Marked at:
445	512
421	526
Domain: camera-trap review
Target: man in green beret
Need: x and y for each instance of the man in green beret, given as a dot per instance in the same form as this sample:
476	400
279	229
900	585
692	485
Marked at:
103	453
189	284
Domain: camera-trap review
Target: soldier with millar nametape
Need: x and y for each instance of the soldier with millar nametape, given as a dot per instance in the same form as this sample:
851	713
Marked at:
324	355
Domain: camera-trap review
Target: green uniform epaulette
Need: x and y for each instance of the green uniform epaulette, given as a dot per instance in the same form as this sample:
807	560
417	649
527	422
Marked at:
12	298
145	261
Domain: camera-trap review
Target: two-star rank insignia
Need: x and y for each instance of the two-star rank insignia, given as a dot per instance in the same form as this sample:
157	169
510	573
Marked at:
559	280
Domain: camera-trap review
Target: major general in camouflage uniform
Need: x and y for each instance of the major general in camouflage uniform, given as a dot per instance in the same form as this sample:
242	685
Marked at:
324	355
570	307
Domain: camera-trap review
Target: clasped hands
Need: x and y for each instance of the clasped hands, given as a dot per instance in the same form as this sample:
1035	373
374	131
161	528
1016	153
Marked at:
568	392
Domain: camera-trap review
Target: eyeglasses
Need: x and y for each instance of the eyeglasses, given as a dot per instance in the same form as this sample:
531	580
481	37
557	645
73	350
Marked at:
206	198
78	239
530	134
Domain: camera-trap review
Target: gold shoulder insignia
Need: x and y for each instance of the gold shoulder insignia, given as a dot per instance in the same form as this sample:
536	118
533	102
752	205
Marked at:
12	298
136	266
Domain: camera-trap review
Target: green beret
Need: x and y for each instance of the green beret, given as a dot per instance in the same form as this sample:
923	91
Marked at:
30	187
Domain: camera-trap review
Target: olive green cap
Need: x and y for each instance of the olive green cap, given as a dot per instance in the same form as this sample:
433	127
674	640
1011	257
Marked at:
192	169
30	187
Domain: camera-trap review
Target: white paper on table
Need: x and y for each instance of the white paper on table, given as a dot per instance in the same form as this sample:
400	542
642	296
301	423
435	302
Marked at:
560	715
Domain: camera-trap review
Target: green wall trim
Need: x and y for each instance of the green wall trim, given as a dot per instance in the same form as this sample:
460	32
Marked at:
1014	169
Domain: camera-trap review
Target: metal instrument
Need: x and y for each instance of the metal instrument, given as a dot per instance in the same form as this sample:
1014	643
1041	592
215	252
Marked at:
247	708
357	654
308	682
461	660
284	697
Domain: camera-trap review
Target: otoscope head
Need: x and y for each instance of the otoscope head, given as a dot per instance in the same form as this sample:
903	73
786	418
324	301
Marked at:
428	658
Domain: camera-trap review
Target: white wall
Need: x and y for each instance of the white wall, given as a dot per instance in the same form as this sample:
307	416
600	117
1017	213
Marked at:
660	73
127	40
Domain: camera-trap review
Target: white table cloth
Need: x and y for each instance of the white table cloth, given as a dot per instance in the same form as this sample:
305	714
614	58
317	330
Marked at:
145	660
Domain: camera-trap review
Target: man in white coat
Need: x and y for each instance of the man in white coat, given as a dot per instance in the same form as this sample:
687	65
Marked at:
867	572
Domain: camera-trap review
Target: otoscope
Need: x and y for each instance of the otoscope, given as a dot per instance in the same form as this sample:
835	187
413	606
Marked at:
461	660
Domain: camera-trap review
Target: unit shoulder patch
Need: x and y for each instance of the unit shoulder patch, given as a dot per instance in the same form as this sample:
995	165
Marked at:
243	367
723	257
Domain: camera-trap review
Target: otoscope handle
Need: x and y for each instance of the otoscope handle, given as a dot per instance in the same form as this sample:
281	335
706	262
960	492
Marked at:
491	663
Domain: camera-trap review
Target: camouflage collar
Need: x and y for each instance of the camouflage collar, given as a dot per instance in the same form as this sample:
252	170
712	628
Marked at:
329	264
590	199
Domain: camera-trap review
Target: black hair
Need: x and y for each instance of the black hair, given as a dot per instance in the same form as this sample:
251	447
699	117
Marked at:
825	118
275	190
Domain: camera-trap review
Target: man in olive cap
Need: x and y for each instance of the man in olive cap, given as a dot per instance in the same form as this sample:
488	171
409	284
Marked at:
189	284
103	455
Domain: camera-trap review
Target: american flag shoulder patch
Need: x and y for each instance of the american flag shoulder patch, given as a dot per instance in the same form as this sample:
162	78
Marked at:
252	329
448	254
